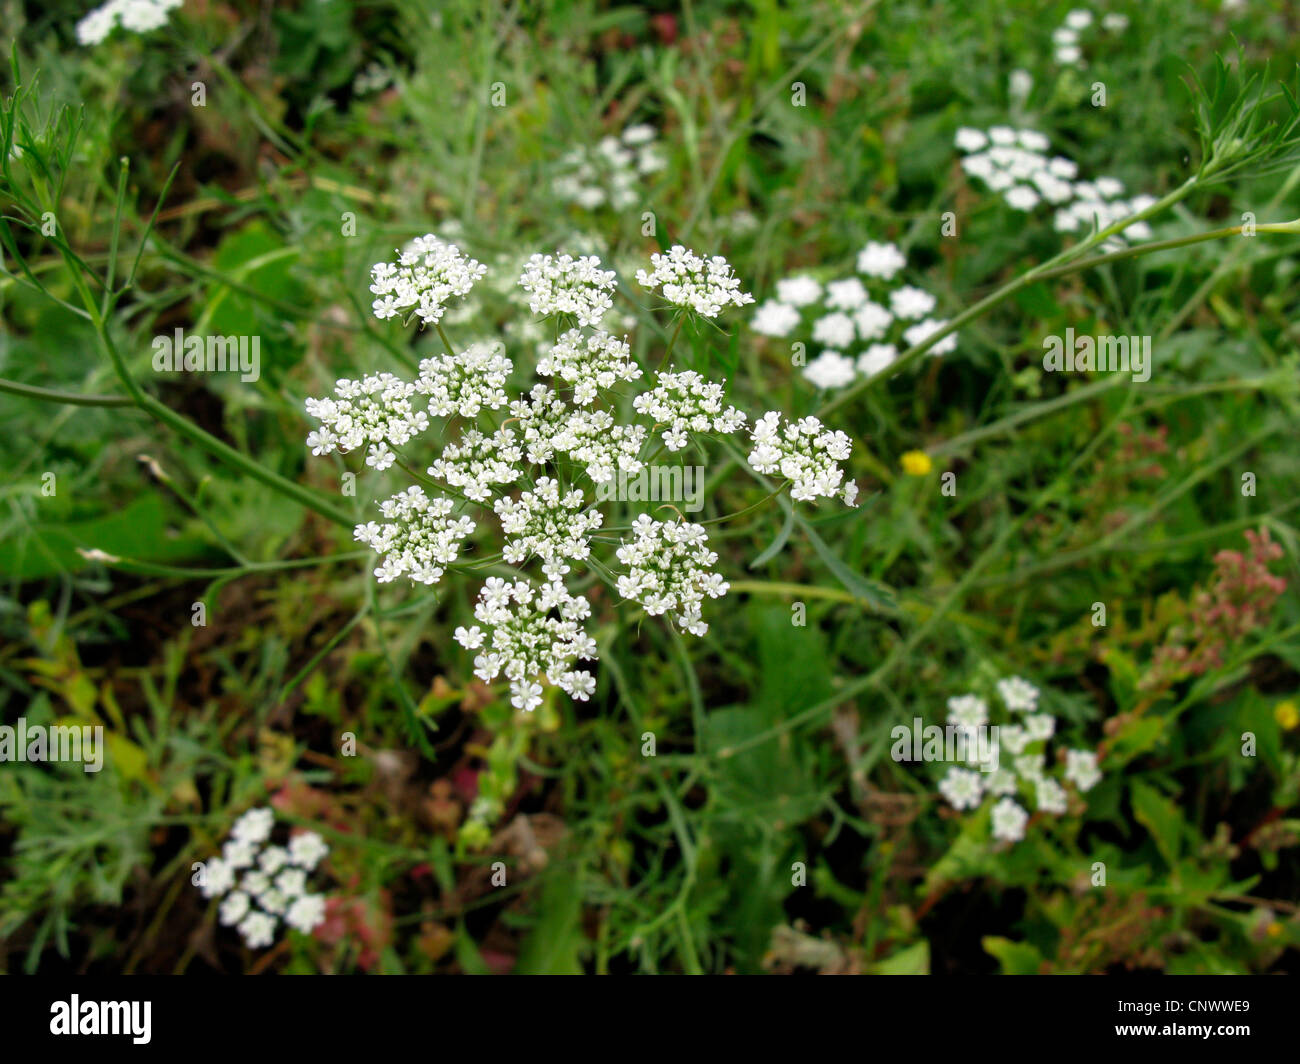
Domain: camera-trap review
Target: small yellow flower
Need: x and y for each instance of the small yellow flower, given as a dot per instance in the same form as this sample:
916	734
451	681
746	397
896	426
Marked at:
1286	714
916	463
1274	930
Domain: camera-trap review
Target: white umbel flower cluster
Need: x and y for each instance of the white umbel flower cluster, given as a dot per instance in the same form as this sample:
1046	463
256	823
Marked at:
1067	39
261	884
1015	164
376	410
418	539
1022	777
569	287
551	526
537	465
428	272
477	464
861	327
589	363
686	280
526	640
137	16
669	571
684	403
550	428
609	172
806	453
464	385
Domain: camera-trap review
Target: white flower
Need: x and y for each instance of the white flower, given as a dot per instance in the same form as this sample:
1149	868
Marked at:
254	826
1079	19
775	319
543	523
255	883
968	711
607	172
999	783
970	140
921	331
691	282
526	641
798	291
1068	54
1040	726
1009	821
306	913
418	539
1114	22
1019	695
563	285
668	571
830	369
1050	796
375	410
275	879
683	403
138	16
465	384
234	908
1059	166
476	464
306	849
469	638
1033	141
962	788
834	330
582	685
589	363
876	358
427	273
1081	769
218	877
98	24
291	882
1031	766
548	427
880	260
258	929
1022	198
238	853
848	294
909	303
872	321
641	134
805	453
1012	738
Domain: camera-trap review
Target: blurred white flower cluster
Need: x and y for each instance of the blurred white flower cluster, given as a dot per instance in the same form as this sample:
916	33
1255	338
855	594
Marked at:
1015	163
1068	38
536	461
1022	777
608	173
262	884
859	327
136	16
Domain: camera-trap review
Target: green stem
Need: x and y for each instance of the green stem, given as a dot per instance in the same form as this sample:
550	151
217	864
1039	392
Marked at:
50	395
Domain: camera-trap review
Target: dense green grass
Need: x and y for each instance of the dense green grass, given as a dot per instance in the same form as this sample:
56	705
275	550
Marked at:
772	764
